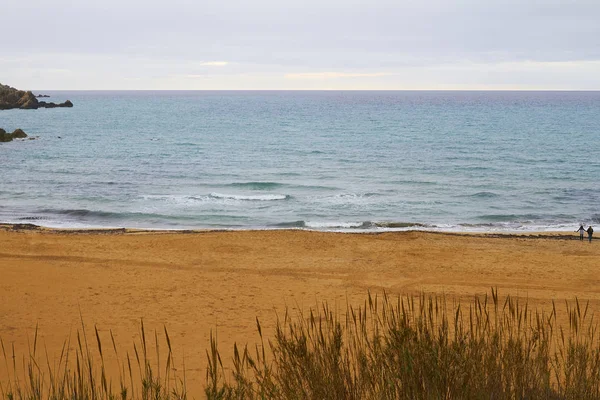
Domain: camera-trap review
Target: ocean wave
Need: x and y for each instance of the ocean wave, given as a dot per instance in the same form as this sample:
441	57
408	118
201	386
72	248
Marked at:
398	225
315	187
186	144
256	185
129	219
366	225
288	174
189	200
82	218
33	218
345	198
507	227
79	213
333	225
174	199
260	197
527	218
483	195
292	224
510	217
411	182
359	195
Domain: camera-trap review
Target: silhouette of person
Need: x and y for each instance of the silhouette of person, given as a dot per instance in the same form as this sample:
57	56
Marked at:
590	231
581	231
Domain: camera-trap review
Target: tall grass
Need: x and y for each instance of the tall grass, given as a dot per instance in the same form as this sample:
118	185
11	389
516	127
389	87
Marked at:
418	348
411	347
77	376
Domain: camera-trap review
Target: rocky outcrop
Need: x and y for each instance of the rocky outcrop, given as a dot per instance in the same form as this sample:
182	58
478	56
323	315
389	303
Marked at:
8	137
19	134
54	105
12	98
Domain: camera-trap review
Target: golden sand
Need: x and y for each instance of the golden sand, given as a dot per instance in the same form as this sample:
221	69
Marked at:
196	282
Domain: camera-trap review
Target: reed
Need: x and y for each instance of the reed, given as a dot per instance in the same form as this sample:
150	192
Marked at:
418	348
80	373
410	347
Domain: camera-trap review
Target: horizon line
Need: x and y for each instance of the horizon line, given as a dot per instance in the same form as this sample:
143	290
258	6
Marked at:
317	90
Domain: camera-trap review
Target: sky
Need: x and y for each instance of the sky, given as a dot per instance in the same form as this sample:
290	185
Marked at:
307	44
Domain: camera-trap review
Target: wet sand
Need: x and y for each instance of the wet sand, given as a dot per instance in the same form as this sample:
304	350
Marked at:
195	282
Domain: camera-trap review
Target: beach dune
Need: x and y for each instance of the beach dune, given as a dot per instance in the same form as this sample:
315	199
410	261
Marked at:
195	282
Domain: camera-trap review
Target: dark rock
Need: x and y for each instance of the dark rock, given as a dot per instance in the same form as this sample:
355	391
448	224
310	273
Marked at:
19	134
8	137
24	227
43	104
12	98
4	136
42	95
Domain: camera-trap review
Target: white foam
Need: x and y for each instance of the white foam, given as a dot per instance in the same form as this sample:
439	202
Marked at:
332	225
260	197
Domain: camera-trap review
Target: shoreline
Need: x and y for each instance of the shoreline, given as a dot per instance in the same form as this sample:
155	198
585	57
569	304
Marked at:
198	282
537	234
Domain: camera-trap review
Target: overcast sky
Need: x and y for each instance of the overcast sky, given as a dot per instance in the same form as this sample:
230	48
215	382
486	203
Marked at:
308	44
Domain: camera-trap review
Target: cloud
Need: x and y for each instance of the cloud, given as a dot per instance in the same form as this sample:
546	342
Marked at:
214	63
335	75
302	44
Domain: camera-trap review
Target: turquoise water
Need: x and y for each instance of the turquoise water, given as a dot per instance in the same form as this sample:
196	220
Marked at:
356	161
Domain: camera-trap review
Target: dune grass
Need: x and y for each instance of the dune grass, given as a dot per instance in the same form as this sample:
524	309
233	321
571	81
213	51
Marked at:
411	347
419	348
77	376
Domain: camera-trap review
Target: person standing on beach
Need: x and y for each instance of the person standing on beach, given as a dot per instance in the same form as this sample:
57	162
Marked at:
581	231
590	231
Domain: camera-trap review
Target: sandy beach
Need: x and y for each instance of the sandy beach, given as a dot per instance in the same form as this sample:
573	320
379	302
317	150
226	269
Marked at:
195	282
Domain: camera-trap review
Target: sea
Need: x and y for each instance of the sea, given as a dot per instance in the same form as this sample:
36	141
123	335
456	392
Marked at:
350	161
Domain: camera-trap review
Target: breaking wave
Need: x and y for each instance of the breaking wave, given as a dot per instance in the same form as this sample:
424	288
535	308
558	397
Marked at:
260	197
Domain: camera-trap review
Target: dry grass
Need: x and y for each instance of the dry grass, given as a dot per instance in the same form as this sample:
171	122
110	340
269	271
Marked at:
418	348
422	347
76	376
